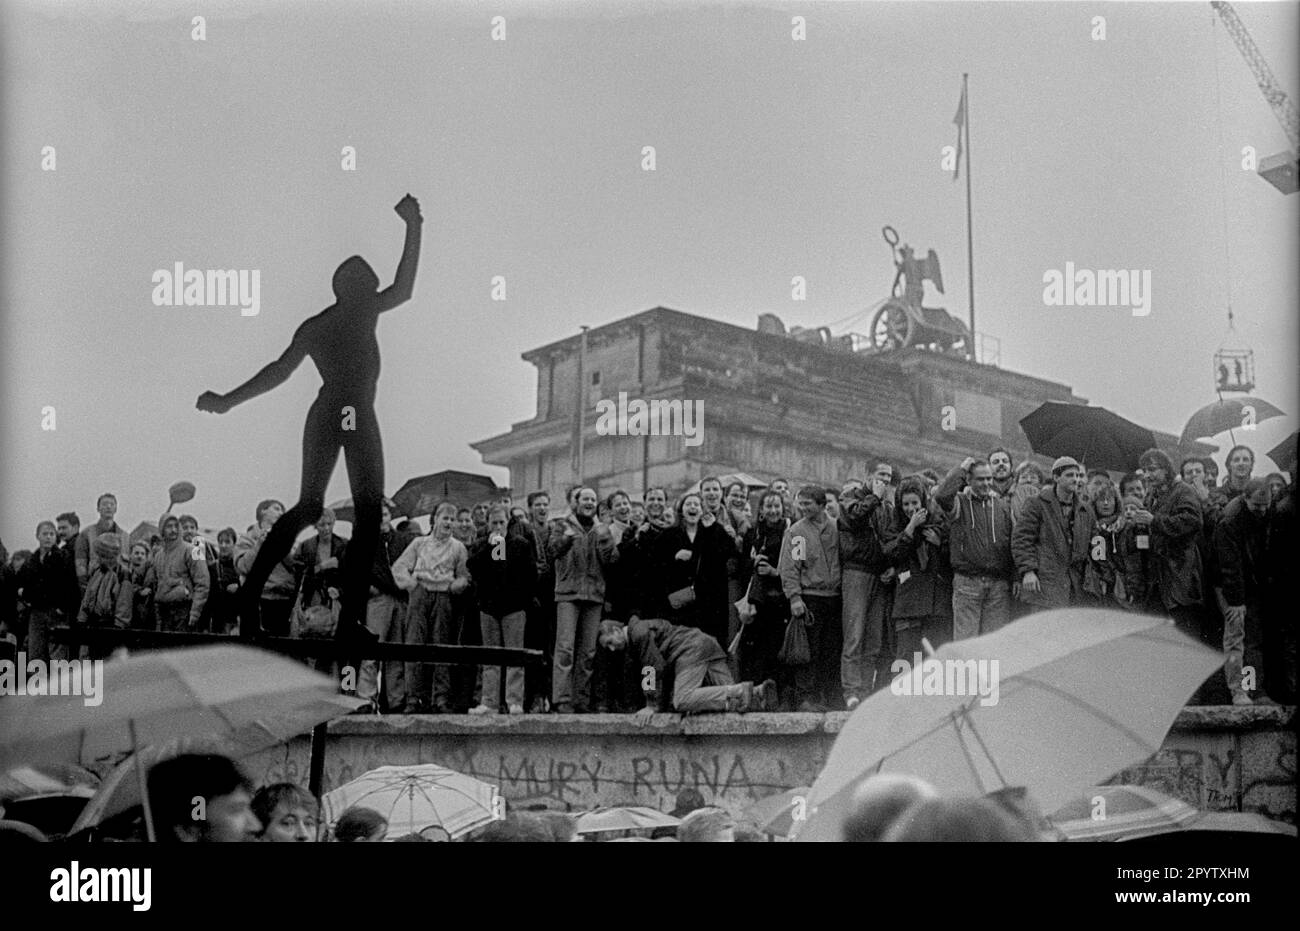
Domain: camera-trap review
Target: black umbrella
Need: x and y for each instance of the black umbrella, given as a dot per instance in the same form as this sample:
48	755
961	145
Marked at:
1227	414
1284	454
421	495
1098	438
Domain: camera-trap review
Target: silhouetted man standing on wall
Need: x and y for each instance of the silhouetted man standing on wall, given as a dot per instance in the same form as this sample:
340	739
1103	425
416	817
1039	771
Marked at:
341	341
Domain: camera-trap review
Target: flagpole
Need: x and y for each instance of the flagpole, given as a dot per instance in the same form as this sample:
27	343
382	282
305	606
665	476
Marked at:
970	245
580	465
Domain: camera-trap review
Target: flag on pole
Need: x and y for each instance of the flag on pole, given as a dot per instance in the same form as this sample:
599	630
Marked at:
960	121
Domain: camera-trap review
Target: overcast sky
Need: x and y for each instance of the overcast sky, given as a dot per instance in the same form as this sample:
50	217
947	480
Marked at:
775	158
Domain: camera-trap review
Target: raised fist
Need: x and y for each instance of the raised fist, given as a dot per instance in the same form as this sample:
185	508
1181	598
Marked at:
408	208
212	403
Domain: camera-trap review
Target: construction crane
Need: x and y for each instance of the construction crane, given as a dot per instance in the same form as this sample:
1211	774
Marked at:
1280	170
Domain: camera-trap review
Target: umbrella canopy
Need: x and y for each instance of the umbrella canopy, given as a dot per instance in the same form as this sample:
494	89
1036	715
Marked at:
1226	414
252	698
413	798
145	530
1098	438
1071	701
1114	813
343	510
26	782
623	818
777	814
419	496
1284	454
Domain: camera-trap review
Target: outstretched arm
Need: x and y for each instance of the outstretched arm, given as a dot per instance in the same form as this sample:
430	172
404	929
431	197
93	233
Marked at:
399	292
269	377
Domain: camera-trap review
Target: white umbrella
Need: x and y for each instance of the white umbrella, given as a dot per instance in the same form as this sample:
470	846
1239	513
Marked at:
250	698
623	818
1080	694
413	798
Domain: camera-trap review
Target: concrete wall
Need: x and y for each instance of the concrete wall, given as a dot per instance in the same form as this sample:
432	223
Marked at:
1236	759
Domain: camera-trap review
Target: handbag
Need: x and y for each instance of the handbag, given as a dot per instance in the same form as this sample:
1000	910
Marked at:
314	621
684	597
794	647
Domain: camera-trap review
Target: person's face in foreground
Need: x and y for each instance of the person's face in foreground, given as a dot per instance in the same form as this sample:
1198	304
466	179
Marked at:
1241	464
782	486
981	479
587	502
622	509
1193	471
273	513
711	492
773	509
1067	482
290	825
45	536
442	524
655	502
808	508
1156	473
139	556
692	508
188	530
1276	486
479	515
1001	465
1135	487
497	524
1105	507
911	504
66	531
614	639
228	819
107	508
638	513
832	505
1096	483
325	526
226	547
170	531
540	509
1029	477
1258	502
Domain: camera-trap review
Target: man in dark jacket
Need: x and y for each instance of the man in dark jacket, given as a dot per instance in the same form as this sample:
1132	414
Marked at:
688	658
1050	544
979	548
504	569
864	525
42	581
1240	541
1173	514
385	616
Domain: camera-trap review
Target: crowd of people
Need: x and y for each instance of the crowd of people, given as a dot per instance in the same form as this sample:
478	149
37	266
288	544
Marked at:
641	605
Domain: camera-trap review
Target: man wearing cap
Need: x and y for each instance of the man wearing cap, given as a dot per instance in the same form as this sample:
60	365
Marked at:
84	557
1050	543
179	579
107	600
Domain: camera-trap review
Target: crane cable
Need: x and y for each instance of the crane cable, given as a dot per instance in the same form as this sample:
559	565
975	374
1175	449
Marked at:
1223	175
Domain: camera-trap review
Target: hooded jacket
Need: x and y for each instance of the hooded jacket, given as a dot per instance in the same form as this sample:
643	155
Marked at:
924	580
818	572
282	583
175	576
864	525
1041	544
979	529
1174	562
579	558
504	573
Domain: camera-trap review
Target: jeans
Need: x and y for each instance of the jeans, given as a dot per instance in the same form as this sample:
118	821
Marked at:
865	610
386	619
980	605
429	619
505	631
1243	645
819	681
577	625
701	684
39	644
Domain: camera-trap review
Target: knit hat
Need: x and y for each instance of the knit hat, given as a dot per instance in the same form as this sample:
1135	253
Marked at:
108	545
1065	462
167	519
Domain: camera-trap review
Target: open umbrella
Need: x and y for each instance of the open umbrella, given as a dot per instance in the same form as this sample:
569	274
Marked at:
1123	812
252	698
179	493
145	530
1076	695
1227	414
343	510
751	483
778	813
413	798
623	818
1098	438
419	496
1284	454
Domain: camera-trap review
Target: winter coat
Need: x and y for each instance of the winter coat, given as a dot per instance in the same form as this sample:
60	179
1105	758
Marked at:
764	539
706	570
924	581
636	556
1240	542
818	572
504	573
43	581
282	583
979	529
1041	544
1174	562
863	526
313	582
176	576
579	558
107	601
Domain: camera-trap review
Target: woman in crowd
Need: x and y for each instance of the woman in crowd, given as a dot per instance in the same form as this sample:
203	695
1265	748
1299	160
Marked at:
690	563
1029	478
1103	578
359	826
766	630
919	554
